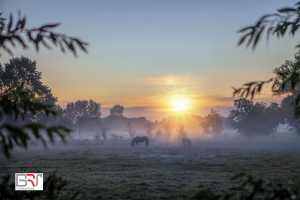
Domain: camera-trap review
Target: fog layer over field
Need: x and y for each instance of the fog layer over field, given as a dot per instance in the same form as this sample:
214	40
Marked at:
164	170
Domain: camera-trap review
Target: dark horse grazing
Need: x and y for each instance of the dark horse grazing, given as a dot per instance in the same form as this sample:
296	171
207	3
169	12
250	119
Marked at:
187	141
136	141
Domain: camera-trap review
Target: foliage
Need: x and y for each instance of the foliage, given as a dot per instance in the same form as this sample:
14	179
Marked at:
286	82
251	188
19	70
255	120
36	36
287	109
181	131
213	123
117	110
128	128
53	187
16	102
81	111
274	24
149	127
287	77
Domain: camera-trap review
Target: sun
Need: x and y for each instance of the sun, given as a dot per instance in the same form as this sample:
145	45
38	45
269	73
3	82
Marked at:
180	104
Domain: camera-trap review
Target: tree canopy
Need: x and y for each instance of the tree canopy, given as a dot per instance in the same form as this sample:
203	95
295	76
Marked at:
117	110
288	76
18	96
80	111
255	119
213	123
16	102
22	69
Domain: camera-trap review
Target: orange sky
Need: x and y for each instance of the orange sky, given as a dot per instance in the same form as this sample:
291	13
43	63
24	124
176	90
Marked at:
146	54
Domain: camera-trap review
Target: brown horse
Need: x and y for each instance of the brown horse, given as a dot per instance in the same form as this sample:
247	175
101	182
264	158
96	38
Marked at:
186	142
136	141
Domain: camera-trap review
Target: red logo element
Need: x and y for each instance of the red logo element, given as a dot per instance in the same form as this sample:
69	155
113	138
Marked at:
31	180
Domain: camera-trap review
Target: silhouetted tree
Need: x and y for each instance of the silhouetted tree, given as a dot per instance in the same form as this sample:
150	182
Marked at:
16	100
149	127
117	110
104	132
168	127
19	70
181	131
213	123
255	120
159	134
97	136
287	109
81	111
128	128
287	79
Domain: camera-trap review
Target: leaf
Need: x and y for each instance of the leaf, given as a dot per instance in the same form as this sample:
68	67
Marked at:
285	10
49	26
18	38
257	37
10	22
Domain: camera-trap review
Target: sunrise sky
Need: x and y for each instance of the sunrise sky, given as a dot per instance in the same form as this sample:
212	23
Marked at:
156	58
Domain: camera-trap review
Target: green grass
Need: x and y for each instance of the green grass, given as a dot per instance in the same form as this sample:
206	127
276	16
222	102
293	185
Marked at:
121	172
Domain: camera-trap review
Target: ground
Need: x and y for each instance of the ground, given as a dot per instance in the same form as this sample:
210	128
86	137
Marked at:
161	171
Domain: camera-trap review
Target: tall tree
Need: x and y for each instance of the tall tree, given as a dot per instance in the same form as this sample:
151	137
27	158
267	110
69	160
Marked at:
284	21
168	127
117	110
16	100
19	70
81	111
255	119
181	131
149	127
104	134
213	123
287	105
128	128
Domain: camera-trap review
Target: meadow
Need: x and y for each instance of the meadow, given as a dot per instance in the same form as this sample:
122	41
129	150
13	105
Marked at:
115	170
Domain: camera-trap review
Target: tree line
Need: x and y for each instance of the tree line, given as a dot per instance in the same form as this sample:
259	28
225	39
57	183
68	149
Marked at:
247	118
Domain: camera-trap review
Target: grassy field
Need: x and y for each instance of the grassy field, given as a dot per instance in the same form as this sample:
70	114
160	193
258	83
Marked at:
117	171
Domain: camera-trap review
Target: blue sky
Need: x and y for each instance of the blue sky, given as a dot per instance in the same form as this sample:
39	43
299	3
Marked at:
145	54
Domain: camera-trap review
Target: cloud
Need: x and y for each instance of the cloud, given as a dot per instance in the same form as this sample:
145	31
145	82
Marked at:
212	97
182	80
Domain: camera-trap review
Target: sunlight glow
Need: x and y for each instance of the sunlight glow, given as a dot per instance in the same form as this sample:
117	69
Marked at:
180	104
